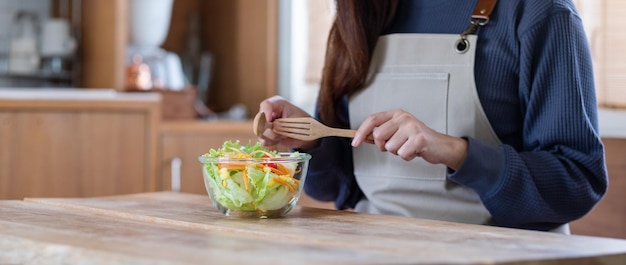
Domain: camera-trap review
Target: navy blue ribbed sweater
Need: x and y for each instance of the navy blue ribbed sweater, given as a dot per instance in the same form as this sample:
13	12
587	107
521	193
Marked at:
534	78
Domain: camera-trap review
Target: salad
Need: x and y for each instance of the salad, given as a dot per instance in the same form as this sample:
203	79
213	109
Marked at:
249	178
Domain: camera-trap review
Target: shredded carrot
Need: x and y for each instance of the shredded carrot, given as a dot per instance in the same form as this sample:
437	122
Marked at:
245	179
274	170
284	183
279	172
239	152
282	168
232	166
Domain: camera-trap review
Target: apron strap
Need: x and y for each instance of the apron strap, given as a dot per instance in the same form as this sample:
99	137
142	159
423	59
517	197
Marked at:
480	17
483	10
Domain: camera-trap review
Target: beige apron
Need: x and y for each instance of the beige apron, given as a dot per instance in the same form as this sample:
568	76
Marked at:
425	75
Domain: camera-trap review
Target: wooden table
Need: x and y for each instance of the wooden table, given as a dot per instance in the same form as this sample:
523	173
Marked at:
178	228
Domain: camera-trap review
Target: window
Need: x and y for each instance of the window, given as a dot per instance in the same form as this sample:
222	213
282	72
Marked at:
303	48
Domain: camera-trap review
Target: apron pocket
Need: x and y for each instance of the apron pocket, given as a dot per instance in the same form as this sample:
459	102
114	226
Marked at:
428	94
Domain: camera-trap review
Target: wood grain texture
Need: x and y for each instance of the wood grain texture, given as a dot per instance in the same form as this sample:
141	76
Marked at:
68	153
77	148
81	237
104	38
7	120
242	34
186	229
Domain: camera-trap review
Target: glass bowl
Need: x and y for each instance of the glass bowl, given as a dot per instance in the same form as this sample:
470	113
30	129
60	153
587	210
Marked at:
255	187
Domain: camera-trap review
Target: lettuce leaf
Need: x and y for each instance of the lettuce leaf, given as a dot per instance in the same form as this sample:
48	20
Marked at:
258	190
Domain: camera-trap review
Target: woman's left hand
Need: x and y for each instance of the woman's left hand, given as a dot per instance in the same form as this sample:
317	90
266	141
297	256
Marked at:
401	134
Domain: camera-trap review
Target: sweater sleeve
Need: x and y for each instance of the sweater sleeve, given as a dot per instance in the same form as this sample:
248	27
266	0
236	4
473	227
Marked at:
331	171
559	173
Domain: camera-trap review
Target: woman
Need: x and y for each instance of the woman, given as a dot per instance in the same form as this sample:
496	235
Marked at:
491	121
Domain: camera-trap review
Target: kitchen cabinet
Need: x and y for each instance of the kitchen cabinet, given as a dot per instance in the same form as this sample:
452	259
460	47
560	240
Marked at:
240	34
182	142
77	144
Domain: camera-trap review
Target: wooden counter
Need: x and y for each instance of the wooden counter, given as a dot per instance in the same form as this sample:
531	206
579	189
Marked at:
178	228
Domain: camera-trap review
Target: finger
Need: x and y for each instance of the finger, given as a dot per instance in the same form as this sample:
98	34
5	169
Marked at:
388	136
267	143
407	151
271	139
395	143
272	107
367	128
385	131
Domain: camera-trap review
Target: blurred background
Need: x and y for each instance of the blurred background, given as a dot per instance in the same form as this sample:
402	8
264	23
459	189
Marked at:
102	97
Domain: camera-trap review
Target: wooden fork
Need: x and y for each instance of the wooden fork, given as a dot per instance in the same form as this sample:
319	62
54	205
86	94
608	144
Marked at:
308	129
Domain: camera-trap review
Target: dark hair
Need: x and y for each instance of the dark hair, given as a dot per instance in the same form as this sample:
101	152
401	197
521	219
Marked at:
351	42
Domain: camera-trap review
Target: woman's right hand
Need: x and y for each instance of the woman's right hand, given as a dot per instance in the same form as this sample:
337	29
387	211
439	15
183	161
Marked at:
278	107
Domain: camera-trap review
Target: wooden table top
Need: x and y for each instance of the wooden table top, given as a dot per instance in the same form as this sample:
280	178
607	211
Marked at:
176	228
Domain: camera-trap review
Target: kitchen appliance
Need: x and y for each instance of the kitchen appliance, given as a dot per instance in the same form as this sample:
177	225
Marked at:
56	44
23	53
149	22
